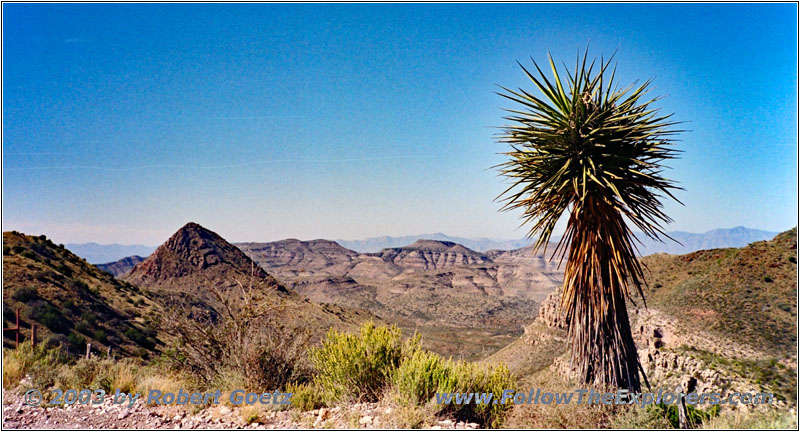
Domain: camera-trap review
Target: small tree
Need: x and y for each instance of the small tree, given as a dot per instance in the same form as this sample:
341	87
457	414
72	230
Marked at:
591	151
242	335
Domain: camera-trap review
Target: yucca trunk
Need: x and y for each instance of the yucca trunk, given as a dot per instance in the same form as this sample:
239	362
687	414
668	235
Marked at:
595	288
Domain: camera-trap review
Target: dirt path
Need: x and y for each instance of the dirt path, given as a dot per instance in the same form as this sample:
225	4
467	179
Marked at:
16	415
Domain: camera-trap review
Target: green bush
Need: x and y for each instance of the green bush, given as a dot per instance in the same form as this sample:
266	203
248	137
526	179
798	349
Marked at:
362	368
100	336
419	376
63	269
29	254
48	315
25	294
468	377
357	367
82	327
695	416
78	285
77	341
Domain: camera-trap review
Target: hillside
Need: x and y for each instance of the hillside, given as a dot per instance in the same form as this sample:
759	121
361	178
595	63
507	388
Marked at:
723	317
747	295
195	265
72	302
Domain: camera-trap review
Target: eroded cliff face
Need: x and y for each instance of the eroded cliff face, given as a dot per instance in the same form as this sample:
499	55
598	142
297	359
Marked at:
425	255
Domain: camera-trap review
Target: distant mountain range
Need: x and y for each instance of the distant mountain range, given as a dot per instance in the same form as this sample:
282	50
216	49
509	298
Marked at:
690	242
714	239
106	253
376	244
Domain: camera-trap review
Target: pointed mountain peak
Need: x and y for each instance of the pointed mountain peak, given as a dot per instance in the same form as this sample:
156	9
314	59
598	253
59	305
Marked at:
195	250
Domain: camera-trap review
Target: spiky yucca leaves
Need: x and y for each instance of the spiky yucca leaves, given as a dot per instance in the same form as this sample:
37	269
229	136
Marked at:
594	151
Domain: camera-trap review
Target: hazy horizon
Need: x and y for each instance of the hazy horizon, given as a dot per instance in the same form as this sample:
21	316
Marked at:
122	122
497	239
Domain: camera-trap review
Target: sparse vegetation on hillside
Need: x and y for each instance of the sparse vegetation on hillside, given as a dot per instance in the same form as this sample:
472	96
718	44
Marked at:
57	290
725	291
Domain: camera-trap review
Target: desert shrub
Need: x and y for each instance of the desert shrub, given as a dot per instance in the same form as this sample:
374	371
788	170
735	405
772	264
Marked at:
418	377
55	340
6	250
48	315
18	249
77	285
100	335
365	366
29	254
89	317
99	373
63	269
76	341
753	420
25	294
307	396
151	380
695	416
468	377
40	362
140	338
246	343
82	327
358	367
250	414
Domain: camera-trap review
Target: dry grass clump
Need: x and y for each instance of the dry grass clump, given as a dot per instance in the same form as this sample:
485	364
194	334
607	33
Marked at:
39	362
573	415
753	420
50	368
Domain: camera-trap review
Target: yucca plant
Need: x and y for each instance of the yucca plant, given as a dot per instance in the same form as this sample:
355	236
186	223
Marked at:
592	151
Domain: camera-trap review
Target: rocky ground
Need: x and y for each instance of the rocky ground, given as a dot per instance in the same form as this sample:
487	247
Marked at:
107	415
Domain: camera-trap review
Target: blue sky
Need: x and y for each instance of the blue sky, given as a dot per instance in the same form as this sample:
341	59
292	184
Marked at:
262	122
